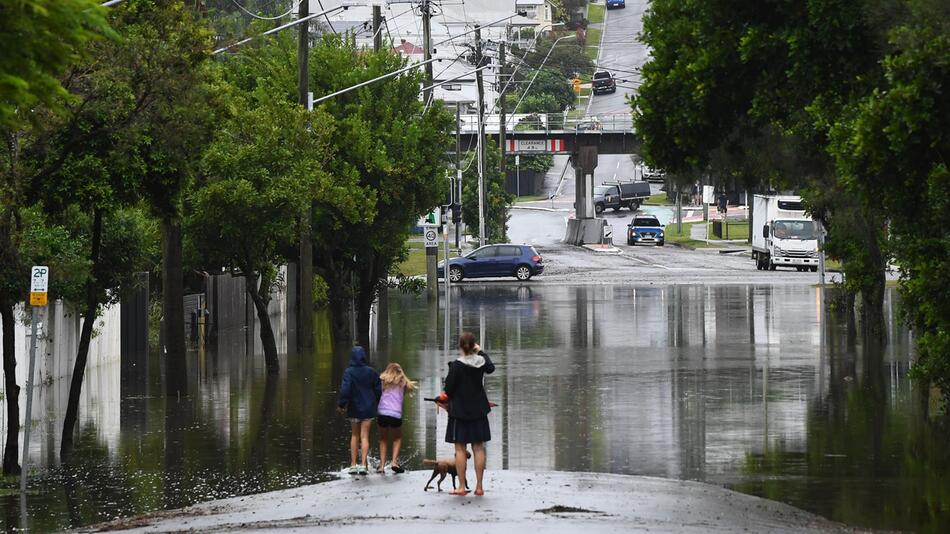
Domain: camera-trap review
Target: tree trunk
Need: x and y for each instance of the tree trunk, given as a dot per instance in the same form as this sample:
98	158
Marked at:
267	332
368	288
11	449
173	312
872	295
85	336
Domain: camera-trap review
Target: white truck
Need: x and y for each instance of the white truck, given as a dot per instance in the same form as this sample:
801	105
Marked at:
782	234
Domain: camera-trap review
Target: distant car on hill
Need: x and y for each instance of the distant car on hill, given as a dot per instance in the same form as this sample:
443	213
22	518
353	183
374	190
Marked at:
603	82
616	3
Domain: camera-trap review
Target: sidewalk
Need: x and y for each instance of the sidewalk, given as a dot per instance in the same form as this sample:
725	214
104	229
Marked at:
549	502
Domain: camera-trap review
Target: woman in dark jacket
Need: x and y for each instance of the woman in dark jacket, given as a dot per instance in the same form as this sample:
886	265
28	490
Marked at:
468	409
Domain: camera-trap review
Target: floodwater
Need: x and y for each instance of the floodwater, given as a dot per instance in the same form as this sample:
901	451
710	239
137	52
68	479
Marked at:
756	388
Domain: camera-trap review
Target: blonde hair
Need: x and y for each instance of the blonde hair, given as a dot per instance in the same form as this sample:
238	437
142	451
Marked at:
394	376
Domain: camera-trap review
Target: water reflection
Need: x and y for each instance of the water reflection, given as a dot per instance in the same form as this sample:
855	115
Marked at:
752	387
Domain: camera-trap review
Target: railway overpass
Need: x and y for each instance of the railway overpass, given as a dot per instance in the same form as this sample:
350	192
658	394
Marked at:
583	138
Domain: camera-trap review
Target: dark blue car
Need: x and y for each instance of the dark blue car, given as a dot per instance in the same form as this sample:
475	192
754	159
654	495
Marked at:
616	3
520	261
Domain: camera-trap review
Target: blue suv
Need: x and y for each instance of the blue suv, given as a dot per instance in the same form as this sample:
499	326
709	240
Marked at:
645	229
616	3
520	261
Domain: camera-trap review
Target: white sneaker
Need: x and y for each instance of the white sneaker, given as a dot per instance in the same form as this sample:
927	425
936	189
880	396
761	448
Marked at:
354	469
361	470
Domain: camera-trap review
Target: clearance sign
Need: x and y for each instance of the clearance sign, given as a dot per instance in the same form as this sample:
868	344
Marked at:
537	145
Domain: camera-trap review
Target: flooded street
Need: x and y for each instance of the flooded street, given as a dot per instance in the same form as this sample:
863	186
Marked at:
755	388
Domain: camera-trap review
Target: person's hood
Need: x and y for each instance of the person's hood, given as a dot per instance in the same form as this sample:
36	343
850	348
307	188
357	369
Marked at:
472	360
357	357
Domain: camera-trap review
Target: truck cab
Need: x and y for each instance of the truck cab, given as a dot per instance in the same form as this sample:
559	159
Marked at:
783	235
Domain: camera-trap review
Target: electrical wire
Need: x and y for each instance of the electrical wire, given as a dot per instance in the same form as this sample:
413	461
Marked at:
289	11
326	16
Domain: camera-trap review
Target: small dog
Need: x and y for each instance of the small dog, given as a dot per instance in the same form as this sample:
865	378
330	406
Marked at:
441	468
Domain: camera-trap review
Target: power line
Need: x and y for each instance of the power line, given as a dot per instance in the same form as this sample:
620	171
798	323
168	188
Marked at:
245	10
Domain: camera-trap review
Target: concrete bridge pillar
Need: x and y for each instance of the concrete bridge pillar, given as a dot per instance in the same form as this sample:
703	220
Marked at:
584	227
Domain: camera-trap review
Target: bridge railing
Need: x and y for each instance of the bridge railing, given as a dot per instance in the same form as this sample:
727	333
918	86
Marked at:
550	123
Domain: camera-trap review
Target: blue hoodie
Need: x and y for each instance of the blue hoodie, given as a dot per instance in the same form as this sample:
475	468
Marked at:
361	387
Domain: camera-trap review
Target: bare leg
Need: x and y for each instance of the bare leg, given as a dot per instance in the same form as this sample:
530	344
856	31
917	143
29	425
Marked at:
478	451
460	461
364	441
397	443
354	441
383	437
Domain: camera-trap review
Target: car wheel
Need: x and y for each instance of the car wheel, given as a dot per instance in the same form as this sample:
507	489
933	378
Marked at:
523	272
660	243
455	274
772	266
814	269
599	208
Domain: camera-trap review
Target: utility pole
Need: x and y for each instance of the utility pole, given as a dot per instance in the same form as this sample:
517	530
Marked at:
305	269
425	7
481	135
458	170
377	34
502	129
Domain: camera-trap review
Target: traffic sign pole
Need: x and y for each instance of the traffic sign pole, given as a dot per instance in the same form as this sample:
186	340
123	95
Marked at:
39	286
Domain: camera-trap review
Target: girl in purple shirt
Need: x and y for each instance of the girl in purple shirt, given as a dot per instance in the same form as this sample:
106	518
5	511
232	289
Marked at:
389	413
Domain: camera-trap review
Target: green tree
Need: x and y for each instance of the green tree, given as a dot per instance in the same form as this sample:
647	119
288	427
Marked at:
100	150
497	201
892	150
34	240
263	169
40	39
396	147
722	72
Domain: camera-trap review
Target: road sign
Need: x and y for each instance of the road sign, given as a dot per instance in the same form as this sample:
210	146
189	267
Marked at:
536	145
39	285
431	235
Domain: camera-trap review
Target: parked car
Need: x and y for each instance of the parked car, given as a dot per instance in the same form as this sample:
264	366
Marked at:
603	82
645	229
520	261
616	3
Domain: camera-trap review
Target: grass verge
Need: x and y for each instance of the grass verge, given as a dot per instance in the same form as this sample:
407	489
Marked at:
415	263
738	229
684	239
529	198
593	42
659	199
596	13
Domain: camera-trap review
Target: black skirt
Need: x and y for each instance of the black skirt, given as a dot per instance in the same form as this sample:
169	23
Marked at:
467	431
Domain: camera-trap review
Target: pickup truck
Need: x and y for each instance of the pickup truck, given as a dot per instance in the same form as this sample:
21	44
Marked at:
603	82
645	229
618	195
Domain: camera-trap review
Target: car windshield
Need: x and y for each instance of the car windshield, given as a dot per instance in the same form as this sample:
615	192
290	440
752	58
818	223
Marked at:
646	221
601	190
601	75
785	229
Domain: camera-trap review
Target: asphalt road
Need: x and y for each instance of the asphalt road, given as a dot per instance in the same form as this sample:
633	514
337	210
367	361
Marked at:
544	230
623	55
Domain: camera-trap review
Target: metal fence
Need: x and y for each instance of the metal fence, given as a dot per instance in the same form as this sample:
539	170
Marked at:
546	123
